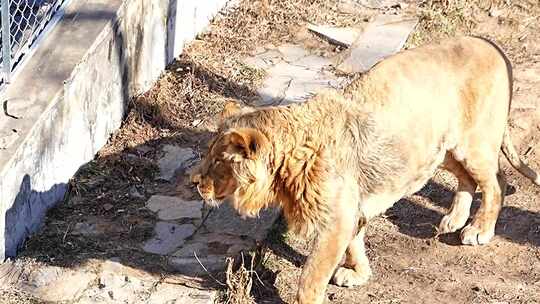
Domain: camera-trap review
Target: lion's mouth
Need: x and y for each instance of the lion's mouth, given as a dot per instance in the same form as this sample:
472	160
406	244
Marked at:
211	200
214	202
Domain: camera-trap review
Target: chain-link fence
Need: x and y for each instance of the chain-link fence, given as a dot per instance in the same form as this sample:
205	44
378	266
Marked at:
21	23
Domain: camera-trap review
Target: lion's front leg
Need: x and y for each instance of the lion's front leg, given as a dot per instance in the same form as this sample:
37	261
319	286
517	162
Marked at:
324	259
329	249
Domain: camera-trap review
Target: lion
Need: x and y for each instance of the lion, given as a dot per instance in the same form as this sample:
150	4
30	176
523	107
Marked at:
345	156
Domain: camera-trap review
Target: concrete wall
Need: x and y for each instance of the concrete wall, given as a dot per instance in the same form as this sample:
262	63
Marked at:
73	110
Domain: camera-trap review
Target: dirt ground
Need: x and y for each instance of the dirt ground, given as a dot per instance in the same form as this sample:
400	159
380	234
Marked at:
410	264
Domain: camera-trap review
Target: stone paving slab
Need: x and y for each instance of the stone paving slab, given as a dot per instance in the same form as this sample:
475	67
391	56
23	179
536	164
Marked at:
191	245
344	36
225	220
293	74
174	208
175	158
168	237
385	36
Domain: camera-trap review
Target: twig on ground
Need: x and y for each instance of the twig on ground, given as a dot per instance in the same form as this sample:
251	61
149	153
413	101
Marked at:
208	272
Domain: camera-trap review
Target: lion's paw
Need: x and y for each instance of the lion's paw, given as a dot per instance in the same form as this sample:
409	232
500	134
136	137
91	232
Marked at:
472	235
347	277
452	222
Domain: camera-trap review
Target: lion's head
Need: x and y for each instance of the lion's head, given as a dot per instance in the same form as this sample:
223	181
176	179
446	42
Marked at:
235	168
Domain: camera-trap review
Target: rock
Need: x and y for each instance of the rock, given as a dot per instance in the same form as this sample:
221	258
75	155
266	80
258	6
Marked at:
273	90
48	283
119	284
293	71
128	274
143	149
206	244
175	158
343	36
385	36
225	220
168	237
192	267
133	192
93	225
348	6
292	74
295	82
173	208
62	285
264	60
211	249
173	293
257	51
378	4
314	63
84	229
189	250
292	52
301	89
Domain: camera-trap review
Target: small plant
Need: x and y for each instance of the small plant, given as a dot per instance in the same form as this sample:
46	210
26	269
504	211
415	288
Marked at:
239	282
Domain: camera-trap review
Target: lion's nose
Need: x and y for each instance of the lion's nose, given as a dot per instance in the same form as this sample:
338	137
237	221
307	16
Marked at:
195	178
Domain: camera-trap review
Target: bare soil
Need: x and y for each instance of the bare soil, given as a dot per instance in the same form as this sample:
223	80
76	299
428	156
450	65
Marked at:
410	263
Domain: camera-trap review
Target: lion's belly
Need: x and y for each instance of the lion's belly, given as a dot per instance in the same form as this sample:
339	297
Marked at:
411	180
419	178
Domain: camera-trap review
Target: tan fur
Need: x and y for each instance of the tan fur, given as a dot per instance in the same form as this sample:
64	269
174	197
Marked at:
343	157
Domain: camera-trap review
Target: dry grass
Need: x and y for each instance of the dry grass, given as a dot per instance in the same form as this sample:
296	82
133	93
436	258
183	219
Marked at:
513	24
441	19
210	70
12	296
239	282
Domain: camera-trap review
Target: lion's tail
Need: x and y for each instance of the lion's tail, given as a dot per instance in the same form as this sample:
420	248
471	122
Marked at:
511	154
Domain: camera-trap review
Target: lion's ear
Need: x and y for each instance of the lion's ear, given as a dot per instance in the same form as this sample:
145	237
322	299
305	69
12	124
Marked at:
245	142
233	108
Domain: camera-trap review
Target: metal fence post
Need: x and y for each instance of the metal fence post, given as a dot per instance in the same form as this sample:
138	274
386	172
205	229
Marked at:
6	43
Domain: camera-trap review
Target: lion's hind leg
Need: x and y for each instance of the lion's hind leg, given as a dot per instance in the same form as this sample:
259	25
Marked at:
355	271
461	204
483	166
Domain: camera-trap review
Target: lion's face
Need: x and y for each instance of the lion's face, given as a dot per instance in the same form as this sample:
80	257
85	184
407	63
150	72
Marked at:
214	175
235	170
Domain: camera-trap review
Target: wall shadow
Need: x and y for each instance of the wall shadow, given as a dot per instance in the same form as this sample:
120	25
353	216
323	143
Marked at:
20	218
